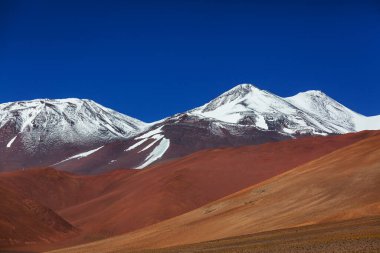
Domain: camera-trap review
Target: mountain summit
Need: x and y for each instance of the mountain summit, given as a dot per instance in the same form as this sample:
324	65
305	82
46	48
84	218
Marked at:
67	120
333	113
311	112
55	127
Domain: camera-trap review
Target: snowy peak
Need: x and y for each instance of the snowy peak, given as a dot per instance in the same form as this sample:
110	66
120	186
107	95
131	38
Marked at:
239	92
318	103
246	105
333	113
313	93
70	111
54	121
311	98
310	112
42	132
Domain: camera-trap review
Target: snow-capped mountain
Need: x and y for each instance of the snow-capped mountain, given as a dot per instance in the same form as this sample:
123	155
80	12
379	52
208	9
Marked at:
171	138
320	105
244	115
311	112
44	126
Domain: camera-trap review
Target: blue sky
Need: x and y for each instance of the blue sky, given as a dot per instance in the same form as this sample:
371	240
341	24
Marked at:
151	59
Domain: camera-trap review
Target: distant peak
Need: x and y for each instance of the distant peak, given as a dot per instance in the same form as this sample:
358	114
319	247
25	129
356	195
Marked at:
238	92
241	90
245	86
54	100
317	93
43	101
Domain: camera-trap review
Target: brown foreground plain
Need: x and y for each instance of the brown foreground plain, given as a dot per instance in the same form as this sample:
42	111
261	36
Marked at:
358	235
340	186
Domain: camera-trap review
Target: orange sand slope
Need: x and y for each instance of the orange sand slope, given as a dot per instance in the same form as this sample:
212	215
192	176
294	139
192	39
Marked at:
339	186
357	235
173	188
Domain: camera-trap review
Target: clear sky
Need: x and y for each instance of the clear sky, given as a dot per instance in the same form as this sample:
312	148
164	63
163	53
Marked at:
151	59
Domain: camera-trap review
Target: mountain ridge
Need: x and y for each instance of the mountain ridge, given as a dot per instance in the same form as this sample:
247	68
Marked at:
318	111
243	115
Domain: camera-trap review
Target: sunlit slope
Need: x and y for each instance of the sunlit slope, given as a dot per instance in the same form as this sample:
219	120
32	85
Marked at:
339	186
357	235
169	189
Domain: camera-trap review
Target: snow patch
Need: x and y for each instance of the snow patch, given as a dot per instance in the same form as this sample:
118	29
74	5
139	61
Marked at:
136	145
156	138
11	141
156	153
81	155
261	122
154	134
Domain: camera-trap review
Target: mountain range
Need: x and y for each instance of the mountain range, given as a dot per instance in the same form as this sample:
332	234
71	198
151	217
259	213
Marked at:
248	171
82	136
